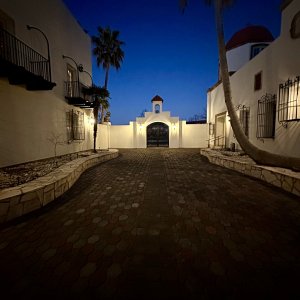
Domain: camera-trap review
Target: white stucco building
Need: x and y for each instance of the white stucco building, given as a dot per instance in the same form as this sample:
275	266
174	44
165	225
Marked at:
37	87
156	129
265	87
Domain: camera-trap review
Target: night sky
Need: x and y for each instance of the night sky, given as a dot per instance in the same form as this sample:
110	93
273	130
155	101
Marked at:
167	53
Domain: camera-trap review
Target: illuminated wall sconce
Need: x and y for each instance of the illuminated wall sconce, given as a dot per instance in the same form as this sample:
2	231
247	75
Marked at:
92	120
174	126
141	126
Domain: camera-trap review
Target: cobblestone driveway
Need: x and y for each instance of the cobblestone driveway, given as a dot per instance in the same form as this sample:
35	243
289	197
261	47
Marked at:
157	224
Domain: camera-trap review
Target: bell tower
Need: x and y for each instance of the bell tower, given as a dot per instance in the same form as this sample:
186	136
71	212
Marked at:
157	102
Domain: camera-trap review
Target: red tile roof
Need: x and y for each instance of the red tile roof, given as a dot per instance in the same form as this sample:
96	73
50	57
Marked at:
250	34
157	98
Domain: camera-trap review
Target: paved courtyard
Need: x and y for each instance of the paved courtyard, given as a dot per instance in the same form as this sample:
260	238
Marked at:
157	224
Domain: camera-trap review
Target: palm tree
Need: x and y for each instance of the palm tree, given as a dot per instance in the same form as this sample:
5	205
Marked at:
108	52
100	96
104	106
258	155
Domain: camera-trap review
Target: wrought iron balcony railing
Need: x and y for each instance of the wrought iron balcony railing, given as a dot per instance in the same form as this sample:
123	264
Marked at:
26	61
75	95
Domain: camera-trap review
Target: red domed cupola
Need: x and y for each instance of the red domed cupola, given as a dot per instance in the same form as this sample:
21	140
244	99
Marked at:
250	34
157	98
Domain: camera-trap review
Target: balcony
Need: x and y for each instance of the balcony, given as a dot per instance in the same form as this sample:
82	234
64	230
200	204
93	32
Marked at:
75	95
22	65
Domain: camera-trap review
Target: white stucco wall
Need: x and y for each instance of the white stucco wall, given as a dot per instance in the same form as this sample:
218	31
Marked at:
28	118
103	136
121	136
194	135
239	56
278	63
134	135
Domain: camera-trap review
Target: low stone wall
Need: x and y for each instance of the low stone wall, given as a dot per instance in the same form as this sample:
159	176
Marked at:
25	198
282	178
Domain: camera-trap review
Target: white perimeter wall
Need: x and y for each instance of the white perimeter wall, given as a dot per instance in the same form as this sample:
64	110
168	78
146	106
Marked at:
194	135
134	136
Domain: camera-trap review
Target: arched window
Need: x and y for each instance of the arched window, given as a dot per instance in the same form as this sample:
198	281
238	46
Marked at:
295	26
157	108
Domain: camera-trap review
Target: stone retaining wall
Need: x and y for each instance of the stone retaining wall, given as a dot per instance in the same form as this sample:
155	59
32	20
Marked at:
282	178
25	198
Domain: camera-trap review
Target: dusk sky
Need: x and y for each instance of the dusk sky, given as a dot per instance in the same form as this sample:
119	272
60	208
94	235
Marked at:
167	53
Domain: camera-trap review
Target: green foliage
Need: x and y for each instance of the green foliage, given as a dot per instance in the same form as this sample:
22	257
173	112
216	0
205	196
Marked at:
100	92
108	48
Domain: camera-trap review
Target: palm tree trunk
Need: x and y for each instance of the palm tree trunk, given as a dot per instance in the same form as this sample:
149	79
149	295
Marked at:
96	109
258	155
102	114
106	76
105	86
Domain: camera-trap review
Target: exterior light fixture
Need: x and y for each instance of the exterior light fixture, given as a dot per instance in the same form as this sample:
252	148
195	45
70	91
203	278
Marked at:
92	120
80	68
141	127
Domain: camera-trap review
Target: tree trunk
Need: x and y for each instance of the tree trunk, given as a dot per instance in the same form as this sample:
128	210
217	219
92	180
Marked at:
102	114
96	109
105	86
259	156
106	77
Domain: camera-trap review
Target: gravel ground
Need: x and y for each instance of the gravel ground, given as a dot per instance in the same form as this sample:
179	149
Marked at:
19	174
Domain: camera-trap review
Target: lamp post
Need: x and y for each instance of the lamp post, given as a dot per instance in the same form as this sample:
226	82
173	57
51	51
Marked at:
29	27
77	69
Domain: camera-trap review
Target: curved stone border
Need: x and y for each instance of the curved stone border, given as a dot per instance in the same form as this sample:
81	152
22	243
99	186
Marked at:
282	178
20	200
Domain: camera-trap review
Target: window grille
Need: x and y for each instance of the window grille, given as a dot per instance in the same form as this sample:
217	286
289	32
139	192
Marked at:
266	112
75	125
289	101
244	115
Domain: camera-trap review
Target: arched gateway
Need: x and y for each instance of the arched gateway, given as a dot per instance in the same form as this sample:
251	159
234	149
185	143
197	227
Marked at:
157	135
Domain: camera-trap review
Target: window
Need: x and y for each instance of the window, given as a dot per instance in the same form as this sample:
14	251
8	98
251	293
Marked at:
289	101
295	26
244	115
75	125
71	85
257	48
157	108
266	116
7	43
6	22
257	81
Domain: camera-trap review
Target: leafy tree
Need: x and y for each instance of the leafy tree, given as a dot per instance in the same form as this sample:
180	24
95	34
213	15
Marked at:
258	155
108	53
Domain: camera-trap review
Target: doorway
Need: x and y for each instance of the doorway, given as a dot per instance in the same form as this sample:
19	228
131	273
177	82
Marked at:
158	135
